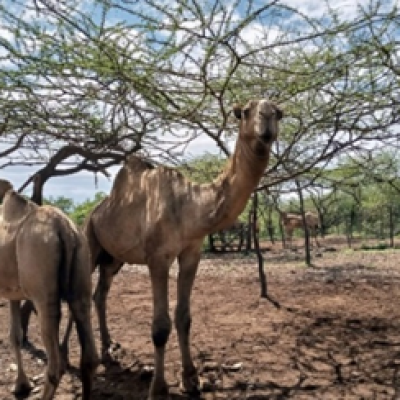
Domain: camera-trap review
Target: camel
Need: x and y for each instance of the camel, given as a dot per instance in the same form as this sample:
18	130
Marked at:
291	221
155	215
44	258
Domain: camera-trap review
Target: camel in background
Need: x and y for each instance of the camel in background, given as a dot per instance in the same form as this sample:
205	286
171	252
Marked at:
155	215
44	258
291	221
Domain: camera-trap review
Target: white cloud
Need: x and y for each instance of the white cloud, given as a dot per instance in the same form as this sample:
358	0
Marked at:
346	8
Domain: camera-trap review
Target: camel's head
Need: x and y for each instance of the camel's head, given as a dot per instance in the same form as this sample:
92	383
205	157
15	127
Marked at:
259	120
5	186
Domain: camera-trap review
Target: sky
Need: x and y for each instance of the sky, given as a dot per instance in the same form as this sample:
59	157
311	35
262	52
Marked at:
83	186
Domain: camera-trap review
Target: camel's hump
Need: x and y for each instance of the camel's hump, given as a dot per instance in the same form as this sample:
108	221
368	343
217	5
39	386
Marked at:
138	164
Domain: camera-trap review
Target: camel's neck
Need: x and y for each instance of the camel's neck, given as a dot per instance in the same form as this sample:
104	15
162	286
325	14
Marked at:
224	199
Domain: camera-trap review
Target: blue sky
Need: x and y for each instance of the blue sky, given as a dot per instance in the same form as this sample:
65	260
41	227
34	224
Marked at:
84	185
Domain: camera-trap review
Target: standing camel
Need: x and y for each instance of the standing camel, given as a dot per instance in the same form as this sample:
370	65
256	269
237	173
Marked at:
44	258
155	215
291	221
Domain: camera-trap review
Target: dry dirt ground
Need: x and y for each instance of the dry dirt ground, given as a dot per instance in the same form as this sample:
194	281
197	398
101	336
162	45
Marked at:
336	335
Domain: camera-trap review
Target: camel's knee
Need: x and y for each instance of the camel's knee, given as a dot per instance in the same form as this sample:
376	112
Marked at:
161	330
183	320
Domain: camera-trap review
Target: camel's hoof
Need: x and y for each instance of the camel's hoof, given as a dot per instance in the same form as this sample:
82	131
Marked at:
190	383
107	359
158	391
22	389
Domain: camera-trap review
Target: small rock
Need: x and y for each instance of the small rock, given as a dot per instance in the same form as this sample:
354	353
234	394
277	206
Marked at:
232	368
210	366
147	372
13	367
37	378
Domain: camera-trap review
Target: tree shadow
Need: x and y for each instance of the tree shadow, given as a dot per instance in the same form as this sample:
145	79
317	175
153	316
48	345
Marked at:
34	351
332	353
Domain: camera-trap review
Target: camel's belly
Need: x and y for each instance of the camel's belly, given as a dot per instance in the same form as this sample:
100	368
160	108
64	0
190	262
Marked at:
12	293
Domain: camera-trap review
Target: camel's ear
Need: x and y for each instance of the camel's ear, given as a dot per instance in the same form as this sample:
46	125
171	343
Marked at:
237	110
279	113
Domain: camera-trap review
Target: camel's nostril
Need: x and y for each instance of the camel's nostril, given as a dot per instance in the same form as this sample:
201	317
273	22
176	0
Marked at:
268	136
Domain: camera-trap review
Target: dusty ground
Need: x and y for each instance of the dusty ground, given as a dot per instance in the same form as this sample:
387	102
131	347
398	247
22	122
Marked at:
336	336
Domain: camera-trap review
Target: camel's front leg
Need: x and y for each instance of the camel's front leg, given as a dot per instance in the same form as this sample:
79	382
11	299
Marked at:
80	309
22	385
188	263
161	327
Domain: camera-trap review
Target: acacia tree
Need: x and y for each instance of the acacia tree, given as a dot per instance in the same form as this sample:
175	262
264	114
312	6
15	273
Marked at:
85	85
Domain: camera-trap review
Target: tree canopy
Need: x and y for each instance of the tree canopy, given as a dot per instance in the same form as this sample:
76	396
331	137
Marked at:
84	84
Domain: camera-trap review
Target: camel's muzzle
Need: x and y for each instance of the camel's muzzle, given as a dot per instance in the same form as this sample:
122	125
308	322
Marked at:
268	136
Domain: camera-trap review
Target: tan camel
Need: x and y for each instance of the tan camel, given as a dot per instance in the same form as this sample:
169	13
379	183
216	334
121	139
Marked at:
291	221
155	215
44	258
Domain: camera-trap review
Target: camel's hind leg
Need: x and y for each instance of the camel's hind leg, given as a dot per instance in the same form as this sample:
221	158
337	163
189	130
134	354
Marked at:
64	348
26	312
188	263
80	310
22	384
106	276
49	316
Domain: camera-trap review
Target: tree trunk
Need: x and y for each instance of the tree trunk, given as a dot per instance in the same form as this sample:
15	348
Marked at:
350	226
263	279
306	231
249	233
391	226
211	246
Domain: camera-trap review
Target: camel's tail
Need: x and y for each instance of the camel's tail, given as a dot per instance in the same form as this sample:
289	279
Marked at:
69	244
